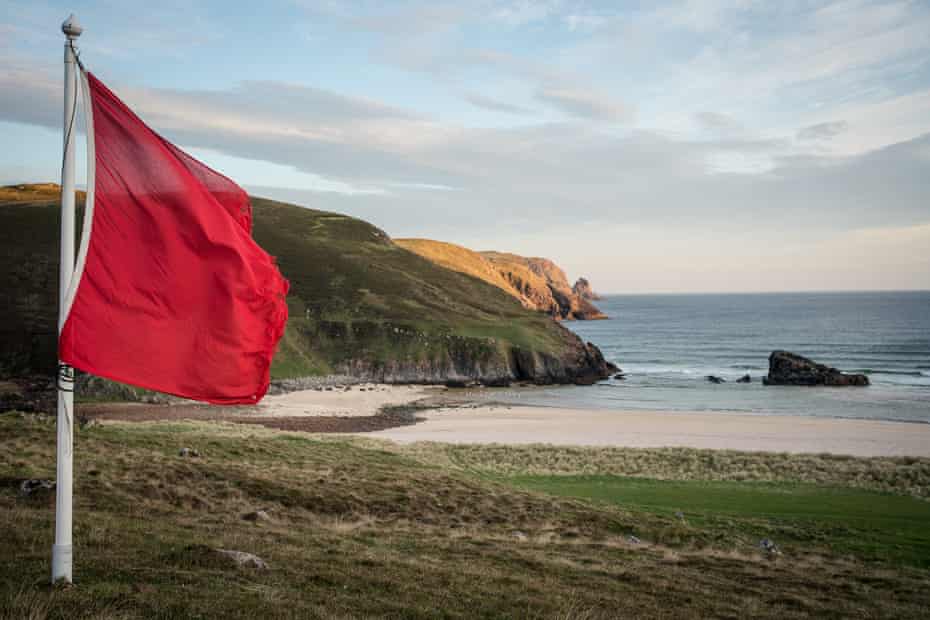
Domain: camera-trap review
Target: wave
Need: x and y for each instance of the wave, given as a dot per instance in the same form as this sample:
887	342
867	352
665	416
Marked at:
884	371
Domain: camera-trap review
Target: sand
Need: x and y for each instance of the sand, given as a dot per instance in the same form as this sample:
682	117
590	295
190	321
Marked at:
356	409
354	401
798	434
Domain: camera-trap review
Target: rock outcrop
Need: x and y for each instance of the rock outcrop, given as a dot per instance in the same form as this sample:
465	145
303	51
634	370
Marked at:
787	368
582	288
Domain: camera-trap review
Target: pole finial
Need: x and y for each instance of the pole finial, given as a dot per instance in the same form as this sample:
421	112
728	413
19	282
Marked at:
71	27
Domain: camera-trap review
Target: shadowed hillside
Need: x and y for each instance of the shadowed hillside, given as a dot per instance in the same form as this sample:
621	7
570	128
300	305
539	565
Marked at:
538	283
359	304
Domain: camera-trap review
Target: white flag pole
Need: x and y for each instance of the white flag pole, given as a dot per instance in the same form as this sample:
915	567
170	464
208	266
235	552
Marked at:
61	551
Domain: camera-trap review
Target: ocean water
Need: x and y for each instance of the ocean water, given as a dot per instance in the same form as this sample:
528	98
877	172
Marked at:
668	344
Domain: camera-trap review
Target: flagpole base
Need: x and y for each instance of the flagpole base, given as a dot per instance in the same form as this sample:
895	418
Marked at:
61	563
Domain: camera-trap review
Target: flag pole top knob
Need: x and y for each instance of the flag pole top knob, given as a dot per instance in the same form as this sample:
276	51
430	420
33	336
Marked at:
71	27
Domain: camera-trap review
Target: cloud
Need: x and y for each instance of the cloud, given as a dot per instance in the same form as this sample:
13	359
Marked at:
585	103
584	22
822	131
719	124
497	106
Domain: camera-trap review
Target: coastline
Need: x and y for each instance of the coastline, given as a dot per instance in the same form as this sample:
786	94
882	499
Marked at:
408	414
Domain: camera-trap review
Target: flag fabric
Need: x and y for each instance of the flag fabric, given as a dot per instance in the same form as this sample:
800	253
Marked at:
175	295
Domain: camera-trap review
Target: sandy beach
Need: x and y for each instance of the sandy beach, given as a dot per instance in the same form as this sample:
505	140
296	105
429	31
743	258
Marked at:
360	409
719	431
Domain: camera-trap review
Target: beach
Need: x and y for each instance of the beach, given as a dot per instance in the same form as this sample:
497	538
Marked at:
717	431
407	414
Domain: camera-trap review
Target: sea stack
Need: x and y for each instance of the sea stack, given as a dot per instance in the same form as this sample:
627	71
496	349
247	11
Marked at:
582	288
787	368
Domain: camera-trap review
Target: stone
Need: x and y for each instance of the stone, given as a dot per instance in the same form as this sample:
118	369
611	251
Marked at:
769	547
258	515
36	486
458	383
633	540
744	379
188	453
715	379
496	382
243	559
787	368
520	536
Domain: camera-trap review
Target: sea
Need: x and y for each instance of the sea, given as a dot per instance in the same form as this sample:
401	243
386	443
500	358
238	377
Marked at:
668	344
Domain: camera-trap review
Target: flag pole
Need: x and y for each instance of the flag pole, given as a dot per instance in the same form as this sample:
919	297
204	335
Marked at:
61	551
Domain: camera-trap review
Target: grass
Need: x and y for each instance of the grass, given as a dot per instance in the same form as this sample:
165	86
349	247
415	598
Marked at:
356	296
901	475
869	524
357	530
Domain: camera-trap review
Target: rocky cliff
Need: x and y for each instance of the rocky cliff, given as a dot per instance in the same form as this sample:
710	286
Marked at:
537	283
360	304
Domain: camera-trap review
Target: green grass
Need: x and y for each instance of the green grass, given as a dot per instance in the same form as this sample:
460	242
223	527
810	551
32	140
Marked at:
875	525
361	531
899	475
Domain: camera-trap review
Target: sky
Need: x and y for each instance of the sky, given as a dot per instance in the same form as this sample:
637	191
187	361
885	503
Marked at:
686	146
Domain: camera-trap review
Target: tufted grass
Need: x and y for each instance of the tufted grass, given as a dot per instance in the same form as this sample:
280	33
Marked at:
358	530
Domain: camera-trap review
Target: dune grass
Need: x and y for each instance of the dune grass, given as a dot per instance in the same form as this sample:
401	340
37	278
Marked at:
360	531
901	475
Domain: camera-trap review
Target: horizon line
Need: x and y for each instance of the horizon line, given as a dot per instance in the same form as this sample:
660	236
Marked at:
782	292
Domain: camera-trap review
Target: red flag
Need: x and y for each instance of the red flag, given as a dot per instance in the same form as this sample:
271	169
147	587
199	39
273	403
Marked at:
175	295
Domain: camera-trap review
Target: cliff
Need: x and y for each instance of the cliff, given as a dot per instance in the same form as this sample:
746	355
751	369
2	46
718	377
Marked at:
359	304
537	283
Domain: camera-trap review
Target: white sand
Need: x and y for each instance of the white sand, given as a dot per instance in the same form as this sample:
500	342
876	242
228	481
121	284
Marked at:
525	425
358	400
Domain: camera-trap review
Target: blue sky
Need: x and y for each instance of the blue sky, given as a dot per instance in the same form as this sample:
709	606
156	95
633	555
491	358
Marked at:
680	146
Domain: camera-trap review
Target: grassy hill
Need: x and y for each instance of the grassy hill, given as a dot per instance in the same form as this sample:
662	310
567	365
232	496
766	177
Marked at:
359	304
537	283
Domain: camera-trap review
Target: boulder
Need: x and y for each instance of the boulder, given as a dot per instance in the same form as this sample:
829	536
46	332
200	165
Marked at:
769	547
715	379
791	369
36	486
744	379
256	516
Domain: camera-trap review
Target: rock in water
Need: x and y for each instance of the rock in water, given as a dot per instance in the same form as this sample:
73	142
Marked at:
714	379
744	379
791	369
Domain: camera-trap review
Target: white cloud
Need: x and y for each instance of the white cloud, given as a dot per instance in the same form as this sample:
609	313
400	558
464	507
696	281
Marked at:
585	103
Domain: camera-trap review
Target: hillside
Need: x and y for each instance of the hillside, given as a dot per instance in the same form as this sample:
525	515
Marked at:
359	304
537	283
